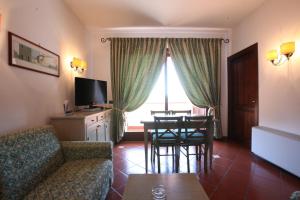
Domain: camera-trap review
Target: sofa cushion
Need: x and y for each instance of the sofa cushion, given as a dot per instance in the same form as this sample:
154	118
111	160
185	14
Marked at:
78	179
26	158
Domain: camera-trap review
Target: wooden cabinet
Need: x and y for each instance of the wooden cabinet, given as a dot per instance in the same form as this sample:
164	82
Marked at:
83	126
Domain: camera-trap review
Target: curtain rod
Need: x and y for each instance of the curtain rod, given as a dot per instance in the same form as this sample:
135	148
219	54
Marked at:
103	40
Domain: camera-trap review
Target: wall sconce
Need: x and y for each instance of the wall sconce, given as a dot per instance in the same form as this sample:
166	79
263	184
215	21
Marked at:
286	51
78	65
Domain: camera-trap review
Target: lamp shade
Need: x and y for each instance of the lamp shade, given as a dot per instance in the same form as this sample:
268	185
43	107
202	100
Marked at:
287	48
83	65
76	62
272	55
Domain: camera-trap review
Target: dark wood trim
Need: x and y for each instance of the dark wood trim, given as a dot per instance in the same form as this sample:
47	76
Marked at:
245	51
252	48
10	35
134	136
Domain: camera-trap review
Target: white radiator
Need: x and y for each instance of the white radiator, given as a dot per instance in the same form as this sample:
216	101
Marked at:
278	147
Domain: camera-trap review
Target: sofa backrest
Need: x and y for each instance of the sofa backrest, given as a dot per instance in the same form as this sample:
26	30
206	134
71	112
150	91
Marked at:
26	158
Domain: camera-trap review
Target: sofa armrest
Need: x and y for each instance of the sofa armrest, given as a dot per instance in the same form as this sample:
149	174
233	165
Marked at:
76	150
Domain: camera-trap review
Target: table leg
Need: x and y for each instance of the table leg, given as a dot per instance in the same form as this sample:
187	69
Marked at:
146	148
177	158
205	157
211	149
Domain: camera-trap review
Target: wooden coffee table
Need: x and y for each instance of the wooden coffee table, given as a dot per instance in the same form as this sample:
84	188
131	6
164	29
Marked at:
178	186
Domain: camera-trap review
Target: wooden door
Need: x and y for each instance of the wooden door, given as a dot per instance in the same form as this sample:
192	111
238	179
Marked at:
243	94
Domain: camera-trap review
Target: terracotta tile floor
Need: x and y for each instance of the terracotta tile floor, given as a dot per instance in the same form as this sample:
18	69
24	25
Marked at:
236	173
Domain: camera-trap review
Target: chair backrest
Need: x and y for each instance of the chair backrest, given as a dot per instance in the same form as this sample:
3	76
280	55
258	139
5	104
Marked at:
199	127
187	112
26	158
168	128
199	118
166	112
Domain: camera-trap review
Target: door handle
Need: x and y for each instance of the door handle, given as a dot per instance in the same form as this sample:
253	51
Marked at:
253	101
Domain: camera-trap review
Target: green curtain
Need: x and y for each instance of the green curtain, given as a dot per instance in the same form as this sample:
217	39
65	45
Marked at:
197	62
135	66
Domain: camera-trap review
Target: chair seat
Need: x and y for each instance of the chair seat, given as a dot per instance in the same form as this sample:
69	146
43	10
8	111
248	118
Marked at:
167	138
194	134
165	135
192	130
162	131
159	131
195	138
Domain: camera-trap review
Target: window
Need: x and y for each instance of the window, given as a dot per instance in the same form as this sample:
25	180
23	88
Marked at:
174	98
177	99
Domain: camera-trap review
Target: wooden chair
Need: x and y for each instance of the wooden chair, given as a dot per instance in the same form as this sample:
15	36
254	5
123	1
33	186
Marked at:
187	112
198	133
166	112
153	113
166	137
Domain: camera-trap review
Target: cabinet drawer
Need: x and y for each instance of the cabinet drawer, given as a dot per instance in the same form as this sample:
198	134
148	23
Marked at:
100	117
108	115
91	120
91	132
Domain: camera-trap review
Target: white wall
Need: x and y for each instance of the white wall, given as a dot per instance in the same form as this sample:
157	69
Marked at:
276	21
99	54
29	98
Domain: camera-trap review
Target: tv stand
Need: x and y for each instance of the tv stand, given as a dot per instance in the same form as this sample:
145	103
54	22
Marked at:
93	106
83	126
89	109
100	106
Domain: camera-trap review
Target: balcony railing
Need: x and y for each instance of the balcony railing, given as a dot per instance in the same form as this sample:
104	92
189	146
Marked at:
134	118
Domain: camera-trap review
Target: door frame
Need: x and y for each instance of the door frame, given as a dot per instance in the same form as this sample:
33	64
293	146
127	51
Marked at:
251	49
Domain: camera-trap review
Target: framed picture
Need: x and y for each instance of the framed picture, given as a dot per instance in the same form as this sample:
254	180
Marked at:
28	55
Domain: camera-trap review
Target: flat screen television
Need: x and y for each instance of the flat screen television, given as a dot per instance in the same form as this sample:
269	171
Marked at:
90	92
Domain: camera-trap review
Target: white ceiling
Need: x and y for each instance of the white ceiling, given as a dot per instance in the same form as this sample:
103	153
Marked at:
170	13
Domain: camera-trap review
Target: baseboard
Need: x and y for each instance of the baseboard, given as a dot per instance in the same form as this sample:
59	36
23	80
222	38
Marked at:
134	136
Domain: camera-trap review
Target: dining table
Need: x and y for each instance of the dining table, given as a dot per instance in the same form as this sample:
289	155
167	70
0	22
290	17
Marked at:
149	124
